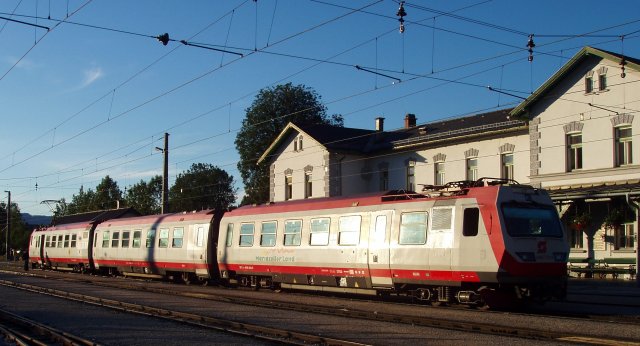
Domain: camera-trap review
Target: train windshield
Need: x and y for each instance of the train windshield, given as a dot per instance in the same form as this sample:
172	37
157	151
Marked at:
531	220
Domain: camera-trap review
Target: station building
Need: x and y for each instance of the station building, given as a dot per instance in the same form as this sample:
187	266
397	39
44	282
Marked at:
574	136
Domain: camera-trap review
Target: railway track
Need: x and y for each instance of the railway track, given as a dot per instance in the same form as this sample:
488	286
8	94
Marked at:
441	323
245	329
26	332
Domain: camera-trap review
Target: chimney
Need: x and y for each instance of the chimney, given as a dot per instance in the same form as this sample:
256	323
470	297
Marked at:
379	124
409	120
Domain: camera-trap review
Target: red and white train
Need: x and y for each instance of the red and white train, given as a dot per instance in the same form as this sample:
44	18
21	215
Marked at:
467	245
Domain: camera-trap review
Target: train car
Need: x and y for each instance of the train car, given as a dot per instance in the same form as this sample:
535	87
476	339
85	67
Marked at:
62	247
180	246
468	244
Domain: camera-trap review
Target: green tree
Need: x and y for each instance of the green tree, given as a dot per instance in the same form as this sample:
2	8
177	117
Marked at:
105	197
146	197
272	109
19	232
203	186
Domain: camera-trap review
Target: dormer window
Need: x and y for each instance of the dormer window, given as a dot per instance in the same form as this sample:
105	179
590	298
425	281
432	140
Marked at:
297	143
602	78
588	83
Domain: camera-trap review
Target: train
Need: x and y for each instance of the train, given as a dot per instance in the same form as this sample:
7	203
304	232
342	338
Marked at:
471	242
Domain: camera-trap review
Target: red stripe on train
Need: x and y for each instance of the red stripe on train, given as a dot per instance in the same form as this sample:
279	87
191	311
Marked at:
439	275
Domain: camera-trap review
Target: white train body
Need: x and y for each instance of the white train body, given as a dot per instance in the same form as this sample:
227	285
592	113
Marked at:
493	238
461	246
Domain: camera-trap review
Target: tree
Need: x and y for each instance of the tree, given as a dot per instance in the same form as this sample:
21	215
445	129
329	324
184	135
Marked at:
146	197
203	186
19	233
106	196
272	109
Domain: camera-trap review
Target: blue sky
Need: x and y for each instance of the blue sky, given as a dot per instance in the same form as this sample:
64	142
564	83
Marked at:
95	94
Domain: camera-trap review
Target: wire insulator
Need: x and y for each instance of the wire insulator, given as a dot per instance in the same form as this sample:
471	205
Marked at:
530	44
401	13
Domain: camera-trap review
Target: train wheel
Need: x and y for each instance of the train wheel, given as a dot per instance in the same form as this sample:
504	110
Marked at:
186	278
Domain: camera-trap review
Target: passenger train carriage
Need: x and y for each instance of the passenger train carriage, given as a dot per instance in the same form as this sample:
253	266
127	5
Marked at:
464	246
468	243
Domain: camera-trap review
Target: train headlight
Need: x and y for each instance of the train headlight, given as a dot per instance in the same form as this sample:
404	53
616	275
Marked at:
527	256
560	256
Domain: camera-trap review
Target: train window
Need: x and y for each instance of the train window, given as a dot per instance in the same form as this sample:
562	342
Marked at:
246	234
105	239
60	240
319	231
47	241
470	222
163	238
85	235
73	240
349	230
292	231
379	235
66	240
200	237
136	238
151	238
268	235
125	239
413	228
522	220
116	239
229	235
178	234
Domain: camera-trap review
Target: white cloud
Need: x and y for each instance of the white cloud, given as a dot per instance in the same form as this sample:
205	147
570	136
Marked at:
91	75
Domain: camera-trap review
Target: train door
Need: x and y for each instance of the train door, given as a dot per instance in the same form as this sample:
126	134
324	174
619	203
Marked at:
41	242
378	260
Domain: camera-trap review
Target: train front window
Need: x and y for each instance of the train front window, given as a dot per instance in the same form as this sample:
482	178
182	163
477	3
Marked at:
523	220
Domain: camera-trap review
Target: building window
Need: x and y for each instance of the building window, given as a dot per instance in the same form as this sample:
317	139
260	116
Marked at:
625	237
576	239
623	146
602	81
288	187
384	180
588	84
574	151
411	175
506	161
308	185
439	173
472	169
300	143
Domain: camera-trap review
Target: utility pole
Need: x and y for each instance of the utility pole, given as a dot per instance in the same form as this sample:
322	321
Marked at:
8	224
165	175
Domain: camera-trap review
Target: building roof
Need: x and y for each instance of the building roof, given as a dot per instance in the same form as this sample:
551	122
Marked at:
629	188
363	142
567	68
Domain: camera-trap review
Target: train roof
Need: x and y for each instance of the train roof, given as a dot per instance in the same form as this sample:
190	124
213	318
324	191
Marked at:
157	219
377	198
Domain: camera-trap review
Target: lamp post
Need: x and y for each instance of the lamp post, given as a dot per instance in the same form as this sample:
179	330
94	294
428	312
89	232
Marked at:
165	175
8	224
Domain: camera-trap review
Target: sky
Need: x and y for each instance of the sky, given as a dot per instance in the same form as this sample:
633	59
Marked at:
86	89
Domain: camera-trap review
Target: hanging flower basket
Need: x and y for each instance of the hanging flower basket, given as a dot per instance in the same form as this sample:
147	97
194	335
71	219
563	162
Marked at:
580	222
